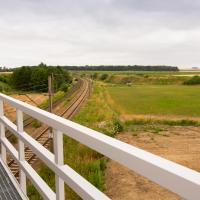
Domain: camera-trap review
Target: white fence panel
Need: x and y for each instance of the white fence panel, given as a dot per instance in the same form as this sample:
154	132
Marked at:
177	178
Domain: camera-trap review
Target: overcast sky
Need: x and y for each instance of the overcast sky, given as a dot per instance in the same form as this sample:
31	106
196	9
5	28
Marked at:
80	32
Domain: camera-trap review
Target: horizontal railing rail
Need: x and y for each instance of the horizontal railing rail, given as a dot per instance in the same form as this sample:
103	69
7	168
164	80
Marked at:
177	178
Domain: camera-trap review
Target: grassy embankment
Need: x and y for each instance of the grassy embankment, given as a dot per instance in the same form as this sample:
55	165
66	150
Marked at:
95	114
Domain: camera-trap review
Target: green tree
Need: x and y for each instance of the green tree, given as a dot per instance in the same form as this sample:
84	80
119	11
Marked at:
36	78
21	77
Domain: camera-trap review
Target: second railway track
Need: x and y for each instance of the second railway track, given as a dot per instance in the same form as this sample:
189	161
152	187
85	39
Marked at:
28	120
44	136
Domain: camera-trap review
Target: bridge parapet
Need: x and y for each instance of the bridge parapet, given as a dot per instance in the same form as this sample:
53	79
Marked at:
177	178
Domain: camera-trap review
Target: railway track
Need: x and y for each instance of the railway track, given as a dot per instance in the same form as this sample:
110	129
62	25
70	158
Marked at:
192	129
44	136
28	120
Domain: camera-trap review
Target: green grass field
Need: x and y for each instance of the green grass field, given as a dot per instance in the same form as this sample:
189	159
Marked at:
157	99
154	73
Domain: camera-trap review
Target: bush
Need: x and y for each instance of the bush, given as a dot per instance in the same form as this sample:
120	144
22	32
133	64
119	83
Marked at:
195	80
104	77
5	78
127	80
94	76
64	87
117	127
4	87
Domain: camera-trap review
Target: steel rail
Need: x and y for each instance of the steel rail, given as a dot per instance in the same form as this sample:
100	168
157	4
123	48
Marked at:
67	113
28	120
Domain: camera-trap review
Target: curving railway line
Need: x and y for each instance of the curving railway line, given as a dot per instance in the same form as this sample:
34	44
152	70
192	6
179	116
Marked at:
44	137
28	120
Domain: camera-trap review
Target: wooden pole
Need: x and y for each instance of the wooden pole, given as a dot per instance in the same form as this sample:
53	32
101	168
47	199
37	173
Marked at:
50	92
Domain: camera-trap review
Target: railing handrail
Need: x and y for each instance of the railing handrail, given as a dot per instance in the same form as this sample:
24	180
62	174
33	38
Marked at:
177	178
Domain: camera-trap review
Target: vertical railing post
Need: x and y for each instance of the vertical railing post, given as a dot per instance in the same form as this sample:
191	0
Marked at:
58	151
20	128
2	133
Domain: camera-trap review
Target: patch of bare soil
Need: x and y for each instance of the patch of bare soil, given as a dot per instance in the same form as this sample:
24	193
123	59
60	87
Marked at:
33	99
178	144
36	99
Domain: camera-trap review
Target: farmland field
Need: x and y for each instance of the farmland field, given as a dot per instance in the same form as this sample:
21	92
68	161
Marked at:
154	73
163	96
117	98
177	143
165	100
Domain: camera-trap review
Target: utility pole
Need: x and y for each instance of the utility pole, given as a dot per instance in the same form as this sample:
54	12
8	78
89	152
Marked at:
50	91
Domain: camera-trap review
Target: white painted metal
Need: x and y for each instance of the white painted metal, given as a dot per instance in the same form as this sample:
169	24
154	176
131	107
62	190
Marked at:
37	181
73	179
1	108
20	128
2	133
179	179
58	152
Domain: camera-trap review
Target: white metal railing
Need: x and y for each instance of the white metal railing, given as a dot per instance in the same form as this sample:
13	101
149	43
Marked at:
177	178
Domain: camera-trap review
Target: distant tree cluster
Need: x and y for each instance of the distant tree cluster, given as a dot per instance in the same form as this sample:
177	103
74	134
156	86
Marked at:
122	68
5	69
36	78
195	80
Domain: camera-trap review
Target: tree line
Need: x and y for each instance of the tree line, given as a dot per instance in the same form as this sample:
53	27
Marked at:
36	78
5	69
112	68
122	68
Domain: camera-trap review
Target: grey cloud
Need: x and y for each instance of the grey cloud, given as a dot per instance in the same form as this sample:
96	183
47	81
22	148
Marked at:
99	32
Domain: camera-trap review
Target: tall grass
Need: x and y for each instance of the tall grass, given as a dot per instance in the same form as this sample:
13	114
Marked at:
97	115
58	95
183	122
